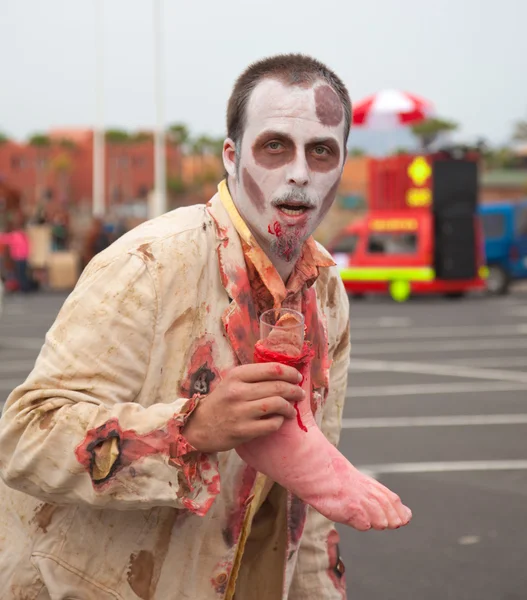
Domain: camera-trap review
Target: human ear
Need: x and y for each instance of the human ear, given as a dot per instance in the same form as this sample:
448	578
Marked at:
229	157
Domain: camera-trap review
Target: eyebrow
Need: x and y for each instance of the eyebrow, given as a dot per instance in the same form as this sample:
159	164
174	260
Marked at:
313	141
323	140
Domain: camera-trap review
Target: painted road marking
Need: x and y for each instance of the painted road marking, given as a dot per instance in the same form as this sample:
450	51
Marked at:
470	331
15	366
14	310
516	311
443	421
10	384
444	467
21	343
432	346
437	369
428	389
381	322
489	361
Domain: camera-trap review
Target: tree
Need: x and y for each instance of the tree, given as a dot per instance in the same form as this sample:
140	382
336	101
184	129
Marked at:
62	165
217	146
40	140
400	151
500	158
67	144
356	152
142	136
202	145
116	139
429	130
176	186
117	136
42	143
520	131
179	135
3	138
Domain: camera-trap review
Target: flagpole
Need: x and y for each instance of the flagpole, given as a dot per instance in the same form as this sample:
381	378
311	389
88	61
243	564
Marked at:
160	202
98	201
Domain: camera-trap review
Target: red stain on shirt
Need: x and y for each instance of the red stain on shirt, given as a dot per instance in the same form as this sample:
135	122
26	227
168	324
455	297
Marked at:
336	569
167	441
202	375
242	495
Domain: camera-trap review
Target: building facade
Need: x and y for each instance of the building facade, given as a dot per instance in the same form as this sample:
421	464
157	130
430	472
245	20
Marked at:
58	169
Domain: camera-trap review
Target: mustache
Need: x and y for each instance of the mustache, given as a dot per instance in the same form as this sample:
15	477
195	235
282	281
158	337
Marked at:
295	197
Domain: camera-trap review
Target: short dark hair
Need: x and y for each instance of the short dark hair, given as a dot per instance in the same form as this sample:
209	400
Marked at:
292	69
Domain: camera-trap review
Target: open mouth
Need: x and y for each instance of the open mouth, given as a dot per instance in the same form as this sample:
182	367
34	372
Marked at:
293	209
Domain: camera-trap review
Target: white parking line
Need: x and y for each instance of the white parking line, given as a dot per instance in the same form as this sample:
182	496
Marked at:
462	331
10	384
381	322
489	361
433	346
16	366
516	311
427	389
437	369
444	467
21	343
443	421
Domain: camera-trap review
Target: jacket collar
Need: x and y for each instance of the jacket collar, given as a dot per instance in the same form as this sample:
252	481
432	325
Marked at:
240	319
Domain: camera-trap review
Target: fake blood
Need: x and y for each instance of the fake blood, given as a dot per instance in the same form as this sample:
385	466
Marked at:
302	363
299	419
134	446
275	229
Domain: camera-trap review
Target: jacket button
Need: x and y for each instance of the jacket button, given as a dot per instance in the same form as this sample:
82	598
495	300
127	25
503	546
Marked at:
340	569
221	578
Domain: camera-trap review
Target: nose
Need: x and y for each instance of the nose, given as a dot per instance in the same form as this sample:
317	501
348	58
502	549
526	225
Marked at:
298	173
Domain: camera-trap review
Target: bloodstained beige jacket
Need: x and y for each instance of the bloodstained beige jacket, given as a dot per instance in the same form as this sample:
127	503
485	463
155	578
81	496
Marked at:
153	323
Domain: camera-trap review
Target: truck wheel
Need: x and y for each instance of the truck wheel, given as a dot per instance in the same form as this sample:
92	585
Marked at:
400	290
455	295
497	281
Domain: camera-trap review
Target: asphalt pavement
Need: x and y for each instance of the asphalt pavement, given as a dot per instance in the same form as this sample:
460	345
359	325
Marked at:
437	411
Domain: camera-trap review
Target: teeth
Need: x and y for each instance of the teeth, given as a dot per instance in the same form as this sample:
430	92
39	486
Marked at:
292	211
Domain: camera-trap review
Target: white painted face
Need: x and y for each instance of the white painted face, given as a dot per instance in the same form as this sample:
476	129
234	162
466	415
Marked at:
290	163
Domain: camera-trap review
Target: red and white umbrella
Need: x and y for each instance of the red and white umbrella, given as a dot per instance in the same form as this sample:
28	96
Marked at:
390	108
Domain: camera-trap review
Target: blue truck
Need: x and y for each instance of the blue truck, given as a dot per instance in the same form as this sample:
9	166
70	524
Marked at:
505	234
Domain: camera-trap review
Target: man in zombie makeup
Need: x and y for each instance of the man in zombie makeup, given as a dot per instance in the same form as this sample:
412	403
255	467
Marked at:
121	454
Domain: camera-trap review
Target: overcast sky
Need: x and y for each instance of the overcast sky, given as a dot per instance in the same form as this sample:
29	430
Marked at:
468	56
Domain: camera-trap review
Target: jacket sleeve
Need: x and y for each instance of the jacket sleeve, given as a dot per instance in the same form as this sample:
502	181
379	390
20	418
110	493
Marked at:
74	432
319	572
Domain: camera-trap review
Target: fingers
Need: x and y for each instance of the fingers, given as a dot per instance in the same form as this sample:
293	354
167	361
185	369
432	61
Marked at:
268	389
258	372
275	405
266	426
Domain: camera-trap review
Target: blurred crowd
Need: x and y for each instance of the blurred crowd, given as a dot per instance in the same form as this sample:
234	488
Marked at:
16	244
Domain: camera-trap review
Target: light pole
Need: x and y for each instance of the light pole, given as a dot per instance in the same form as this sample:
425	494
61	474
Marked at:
159	205
98	200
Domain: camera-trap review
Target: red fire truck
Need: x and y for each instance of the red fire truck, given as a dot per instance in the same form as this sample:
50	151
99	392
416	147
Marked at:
421	234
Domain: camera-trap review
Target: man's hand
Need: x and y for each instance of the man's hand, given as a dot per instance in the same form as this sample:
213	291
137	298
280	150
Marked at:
374	506
252	401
